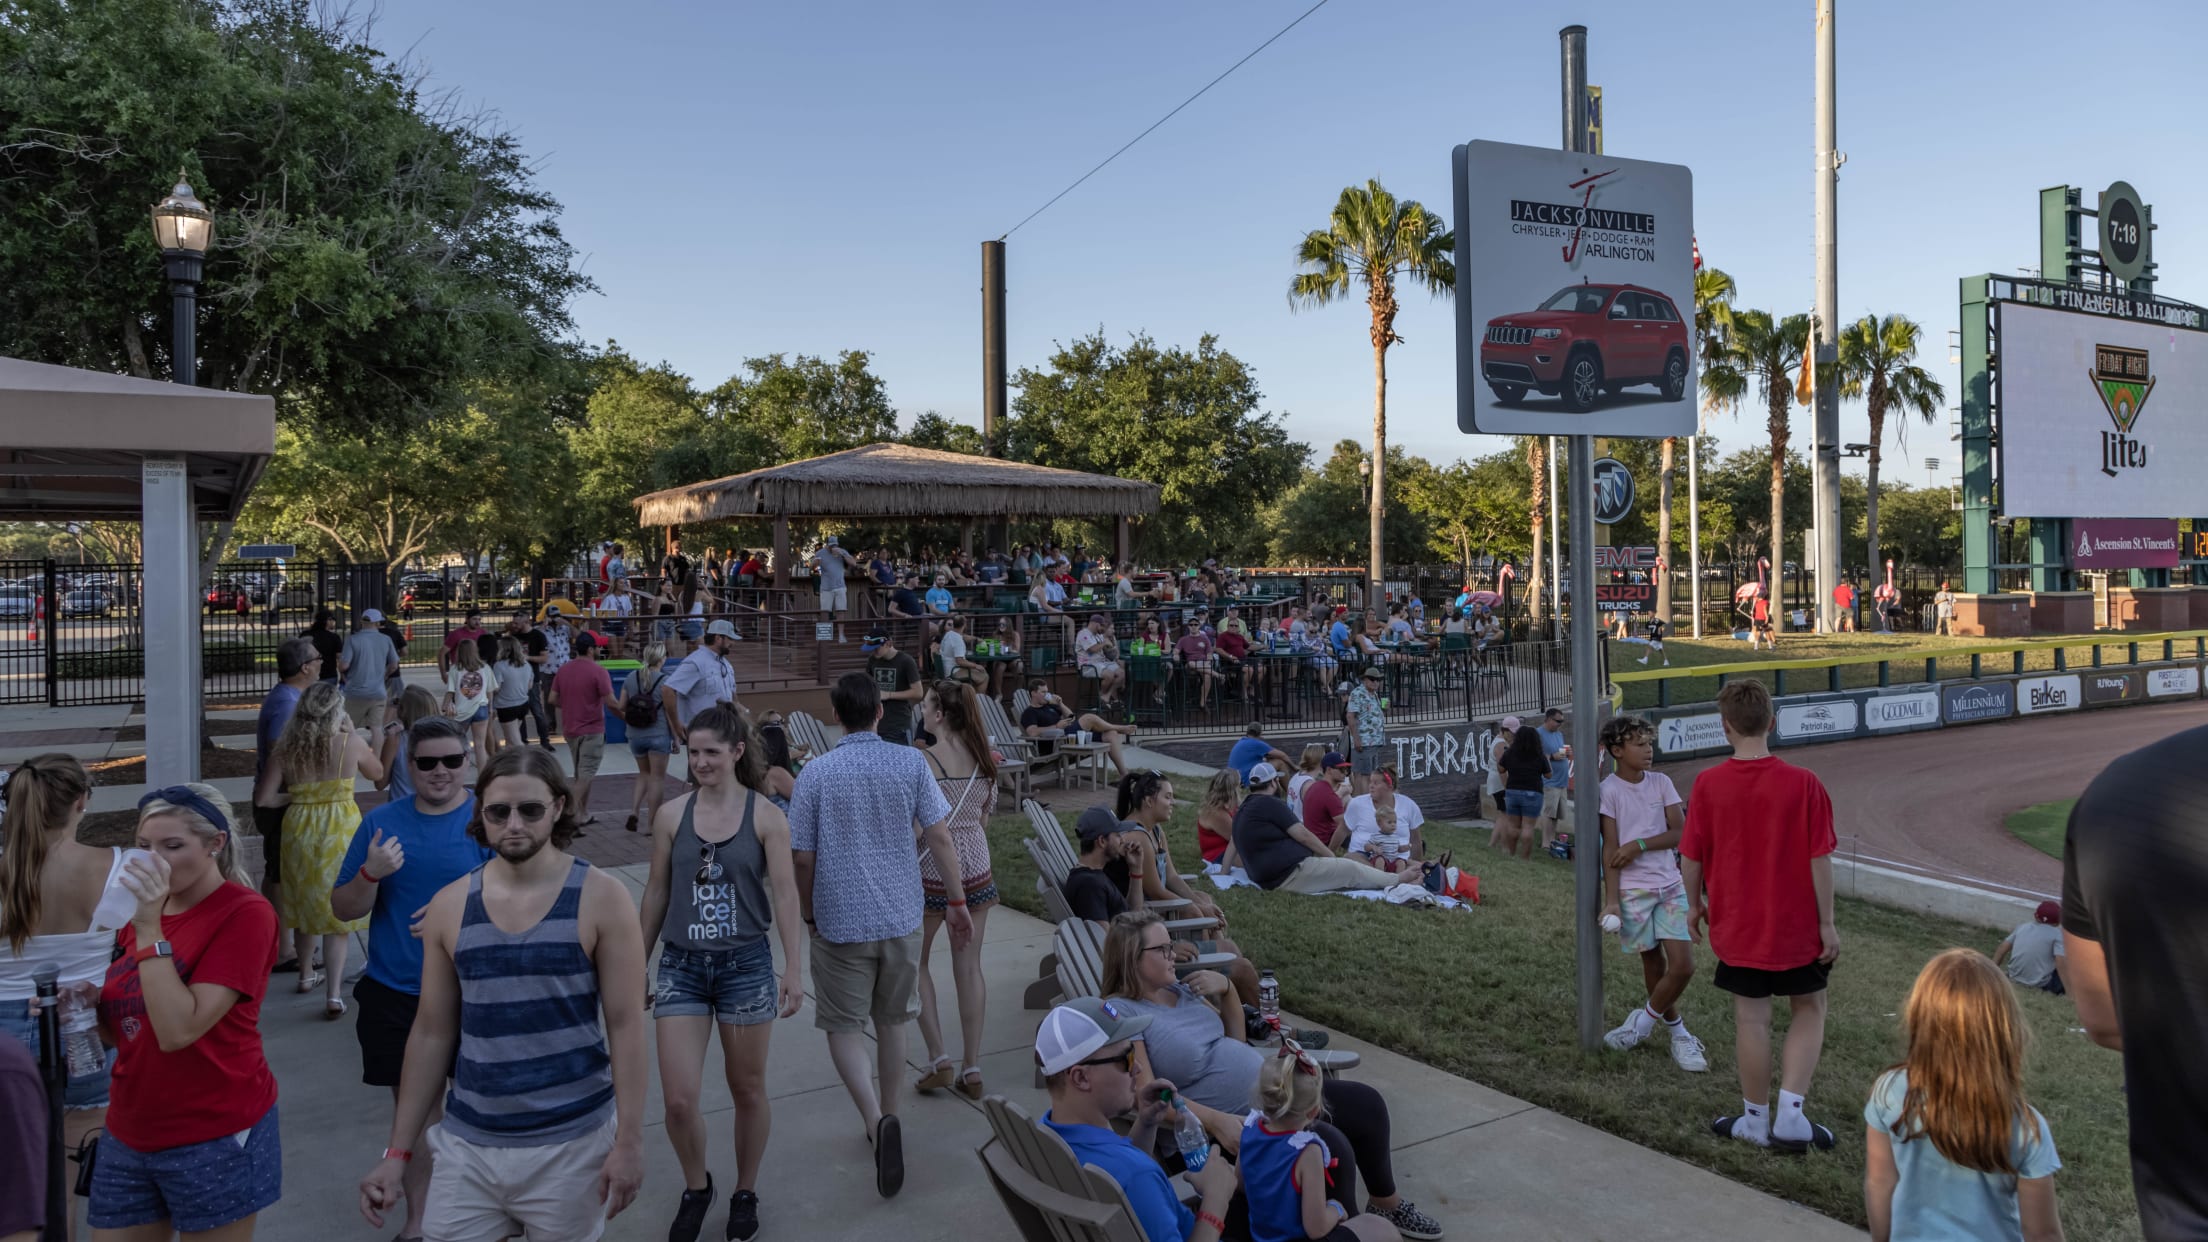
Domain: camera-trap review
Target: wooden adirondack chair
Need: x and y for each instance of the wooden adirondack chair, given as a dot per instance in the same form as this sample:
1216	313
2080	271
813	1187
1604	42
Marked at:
1050	1195
806	732
1016	745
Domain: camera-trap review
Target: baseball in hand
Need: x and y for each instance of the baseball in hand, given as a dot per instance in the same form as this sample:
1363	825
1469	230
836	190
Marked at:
1611	923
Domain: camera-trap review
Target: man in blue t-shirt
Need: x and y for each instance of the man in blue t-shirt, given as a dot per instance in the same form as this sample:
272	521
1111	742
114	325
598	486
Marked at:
1086	1048
1560	774
402	854
1252	749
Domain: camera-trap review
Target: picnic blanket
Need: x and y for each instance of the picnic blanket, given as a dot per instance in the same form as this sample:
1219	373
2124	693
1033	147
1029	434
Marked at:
1401	894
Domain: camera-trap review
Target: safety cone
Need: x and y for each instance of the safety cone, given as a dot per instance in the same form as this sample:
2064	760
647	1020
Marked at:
38	610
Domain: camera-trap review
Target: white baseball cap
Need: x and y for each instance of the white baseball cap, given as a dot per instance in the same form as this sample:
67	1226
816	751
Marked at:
1074	1030
371	616
1262	773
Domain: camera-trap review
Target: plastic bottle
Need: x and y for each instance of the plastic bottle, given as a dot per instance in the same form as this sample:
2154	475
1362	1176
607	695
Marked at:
1189	1136
80	1039
117	903
1268	997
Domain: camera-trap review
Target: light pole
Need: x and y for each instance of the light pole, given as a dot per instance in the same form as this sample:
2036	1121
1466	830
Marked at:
184	229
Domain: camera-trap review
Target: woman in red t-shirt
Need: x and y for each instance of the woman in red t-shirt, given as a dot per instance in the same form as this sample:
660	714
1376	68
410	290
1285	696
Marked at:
191	1143
1215	818
1322	799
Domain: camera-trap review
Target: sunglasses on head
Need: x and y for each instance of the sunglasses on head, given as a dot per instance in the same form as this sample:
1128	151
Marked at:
429	763
530	812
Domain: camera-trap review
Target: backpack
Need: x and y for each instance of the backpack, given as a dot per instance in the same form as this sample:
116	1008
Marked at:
642	709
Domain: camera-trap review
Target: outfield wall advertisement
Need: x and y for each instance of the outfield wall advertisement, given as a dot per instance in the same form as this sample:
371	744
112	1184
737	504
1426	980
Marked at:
2100	418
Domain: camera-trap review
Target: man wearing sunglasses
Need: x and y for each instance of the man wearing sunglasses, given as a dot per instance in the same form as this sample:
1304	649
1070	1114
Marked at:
401	855
1086	1050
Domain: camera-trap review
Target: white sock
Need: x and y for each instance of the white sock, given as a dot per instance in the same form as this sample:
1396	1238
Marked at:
1643	1021
1754	1124
1678	1027
1790	1123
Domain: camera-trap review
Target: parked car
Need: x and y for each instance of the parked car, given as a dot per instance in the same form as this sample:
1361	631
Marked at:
17	601
425	588
1586	342
224	593
87	601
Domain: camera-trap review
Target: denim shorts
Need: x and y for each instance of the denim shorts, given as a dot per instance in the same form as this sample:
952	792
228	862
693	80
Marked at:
734	985
481	715
196	1187
1525	802
652	742
89	1092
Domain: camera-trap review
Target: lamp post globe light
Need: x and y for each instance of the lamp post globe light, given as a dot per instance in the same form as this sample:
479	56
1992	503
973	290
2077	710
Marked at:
184	229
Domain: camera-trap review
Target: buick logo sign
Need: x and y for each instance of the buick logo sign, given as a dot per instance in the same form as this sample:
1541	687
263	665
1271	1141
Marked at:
1613	491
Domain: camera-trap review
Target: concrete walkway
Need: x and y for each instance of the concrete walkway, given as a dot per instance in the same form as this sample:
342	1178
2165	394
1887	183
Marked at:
1485	1164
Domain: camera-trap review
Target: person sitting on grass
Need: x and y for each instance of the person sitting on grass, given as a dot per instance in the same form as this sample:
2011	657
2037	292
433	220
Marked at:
1758	870
1279	852
1086	1053
1642	821
1952	1149
1296	1189
1383	826
2032	955
1199	1039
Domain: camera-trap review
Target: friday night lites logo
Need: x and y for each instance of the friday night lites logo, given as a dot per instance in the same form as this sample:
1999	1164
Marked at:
2120	376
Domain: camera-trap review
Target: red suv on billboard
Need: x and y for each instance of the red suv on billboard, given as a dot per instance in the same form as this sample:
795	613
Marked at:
1587	341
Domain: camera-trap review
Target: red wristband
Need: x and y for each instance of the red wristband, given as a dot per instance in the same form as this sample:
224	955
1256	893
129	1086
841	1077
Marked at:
400	1154
1207	1218
960	902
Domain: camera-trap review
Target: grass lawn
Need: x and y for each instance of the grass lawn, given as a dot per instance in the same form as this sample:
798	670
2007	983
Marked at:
2042	827
1908	651
1488	994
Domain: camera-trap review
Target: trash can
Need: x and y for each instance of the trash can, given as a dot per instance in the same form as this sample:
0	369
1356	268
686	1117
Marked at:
619	671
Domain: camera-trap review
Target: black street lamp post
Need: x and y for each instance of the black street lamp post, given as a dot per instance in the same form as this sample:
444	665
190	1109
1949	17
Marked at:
183	228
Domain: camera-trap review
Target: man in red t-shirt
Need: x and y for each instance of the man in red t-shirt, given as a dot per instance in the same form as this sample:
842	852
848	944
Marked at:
1757	860
470	630
581	690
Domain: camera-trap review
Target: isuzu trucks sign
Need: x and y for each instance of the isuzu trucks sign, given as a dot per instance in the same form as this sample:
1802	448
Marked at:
1575	293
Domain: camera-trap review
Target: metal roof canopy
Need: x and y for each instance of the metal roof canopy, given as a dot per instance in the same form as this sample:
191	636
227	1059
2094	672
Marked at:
73	443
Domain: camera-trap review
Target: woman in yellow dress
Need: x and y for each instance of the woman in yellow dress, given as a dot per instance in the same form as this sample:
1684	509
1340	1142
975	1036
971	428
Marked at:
311	775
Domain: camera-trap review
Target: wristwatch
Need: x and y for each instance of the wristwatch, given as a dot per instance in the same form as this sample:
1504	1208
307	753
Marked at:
159	948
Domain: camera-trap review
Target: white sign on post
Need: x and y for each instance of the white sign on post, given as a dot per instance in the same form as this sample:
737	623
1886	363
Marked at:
1575	293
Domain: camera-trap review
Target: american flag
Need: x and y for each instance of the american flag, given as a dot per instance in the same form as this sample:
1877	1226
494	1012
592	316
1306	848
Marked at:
1697	242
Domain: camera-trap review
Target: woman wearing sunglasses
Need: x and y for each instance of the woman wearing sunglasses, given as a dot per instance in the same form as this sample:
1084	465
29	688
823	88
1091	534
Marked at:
312	772
1197	1041
721	874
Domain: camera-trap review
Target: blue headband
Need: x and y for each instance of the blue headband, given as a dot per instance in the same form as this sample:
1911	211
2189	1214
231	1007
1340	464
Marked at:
182	796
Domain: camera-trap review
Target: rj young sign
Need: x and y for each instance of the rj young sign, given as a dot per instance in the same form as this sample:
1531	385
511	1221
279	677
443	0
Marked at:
1575	293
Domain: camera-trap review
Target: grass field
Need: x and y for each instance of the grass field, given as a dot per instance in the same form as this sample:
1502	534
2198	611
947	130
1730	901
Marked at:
1908	651
2042	826
1487	994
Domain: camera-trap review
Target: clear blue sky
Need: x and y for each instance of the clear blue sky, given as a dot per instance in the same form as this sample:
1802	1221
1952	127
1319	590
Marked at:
805	178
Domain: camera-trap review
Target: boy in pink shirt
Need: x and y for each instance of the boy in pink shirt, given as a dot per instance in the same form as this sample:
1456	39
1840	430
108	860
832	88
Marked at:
1642	821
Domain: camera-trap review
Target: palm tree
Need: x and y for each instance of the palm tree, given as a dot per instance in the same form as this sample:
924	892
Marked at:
1537	465
1713	317
1770	354
1877	363
1371	238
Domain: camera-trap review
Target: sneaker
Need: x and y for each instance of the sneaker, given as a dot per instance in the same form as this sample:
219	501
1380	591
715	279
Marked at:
1686	1050
1627	1036
690	1215
743	1216
1408	1220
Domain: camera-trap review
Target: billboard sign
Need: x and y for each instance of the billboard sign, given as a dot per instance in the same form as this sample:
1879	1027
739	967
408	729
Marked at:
2097	416
1575	293
1625	597
2102	688
1826	718
1976	701
2174	683
2058	693
2123	543
1686	734
1917	709
1613	491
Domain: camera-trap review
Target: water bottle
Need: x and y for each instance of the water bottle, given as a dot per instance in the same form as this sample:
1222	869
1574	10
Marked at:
117	903
1268	998
1189	1136
80	1025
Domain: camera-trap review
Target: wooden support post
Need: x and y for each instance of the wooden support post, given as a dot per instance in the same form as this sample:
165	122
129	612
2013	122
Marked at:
781	552
1122	543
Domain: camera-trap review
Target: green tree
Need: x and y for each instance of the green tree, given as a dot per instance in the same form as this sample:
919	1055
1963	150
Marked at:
1370	239
377	252
933	431
1741	482
1923	528
1768	353
1320	520
1473	508
805	407
1188	421
1720	384
1537	497
1878	364
645	429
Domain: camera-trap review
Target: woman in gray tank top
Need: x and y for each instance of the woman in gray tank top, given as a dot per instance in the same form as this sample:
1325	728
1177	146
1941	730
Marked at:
721	878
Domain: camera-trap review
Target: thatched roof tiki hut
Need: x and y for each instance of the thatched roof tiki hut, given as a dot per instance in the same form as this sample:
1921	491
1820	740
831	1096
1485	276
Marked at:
899	481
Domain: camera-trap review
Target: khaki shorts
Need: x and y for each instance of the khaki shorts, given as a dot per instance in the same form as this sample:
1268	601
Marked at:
1552	802
367	717
547	1194
588	750
836	600
869	979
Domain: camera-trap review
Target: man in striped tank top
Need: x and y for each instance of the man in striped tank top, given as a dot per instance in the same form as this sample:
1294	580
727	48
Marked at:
543	1129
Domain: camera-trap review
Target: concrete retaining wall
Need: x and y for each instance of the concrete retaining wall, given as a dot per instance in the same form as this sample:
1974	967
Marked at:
1924	895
